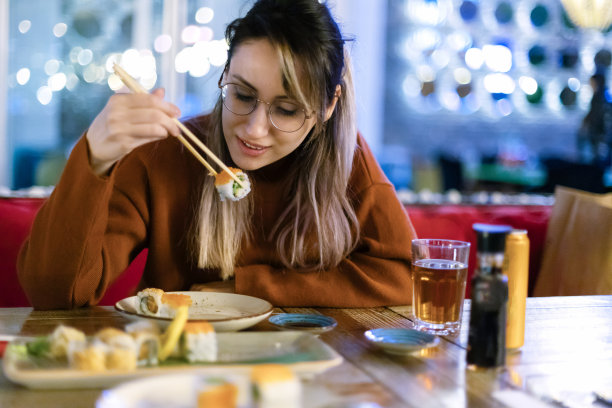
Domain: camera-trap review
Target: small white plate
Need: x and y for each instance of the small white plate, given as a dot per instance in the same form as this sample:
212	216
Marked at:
401	341
225	311
238	352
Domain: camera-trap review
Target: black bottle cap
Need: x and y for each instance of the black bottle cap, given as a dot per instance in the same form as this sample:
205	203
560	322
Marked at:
491	238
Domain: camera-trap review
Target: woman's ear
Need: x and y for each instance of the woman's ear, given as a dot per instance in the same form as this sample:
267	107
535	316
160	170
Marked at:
332	106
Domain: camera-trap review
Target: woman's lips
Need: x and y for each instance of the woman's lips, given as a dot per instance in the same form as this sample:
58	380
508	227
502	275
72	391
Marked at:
251	149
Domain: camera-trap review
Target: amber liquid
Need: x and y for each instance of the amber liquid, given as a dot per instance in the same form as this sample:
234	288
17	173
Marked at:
439	290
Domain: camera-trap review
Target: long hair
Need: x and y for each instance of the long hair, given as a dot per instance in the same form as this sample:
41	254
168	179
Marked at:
319	226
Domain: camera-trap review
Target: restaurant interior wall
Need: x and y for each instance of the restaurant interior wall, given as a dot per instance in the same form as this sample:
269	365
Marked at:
419	92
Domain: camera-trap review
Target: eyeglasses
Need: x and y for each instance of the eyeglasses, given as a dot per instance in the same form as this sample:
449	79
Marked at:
285	116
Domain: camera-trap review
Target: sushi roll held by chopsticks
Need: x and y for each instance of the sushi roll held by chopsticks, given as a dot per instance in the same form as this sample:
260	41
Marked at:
229	188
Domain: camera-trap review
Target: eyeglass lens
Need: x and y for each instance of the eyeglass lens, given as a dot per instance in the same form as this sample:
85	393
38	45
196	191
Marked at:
285	116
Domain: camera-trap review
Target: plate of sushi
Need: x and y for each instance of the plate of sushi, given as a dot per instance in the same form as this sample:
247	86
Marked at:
265	385
225	311
67	358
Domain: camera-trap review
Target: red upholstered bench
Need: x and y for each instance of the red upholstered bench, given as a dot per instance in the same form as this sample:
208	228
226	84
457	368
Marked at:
430	221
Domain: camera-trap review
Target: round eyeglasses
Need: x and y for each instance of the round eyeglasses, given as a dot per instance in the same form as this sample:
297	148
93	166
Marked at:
284	115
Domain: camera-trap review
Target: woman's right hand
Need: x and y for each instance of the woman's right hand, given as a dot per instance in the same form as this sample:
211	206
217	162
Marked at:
126	122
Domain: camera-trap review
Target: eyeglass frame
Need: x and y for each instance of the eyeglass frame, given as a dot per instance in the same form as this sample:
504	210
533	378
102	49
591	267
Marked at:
257	100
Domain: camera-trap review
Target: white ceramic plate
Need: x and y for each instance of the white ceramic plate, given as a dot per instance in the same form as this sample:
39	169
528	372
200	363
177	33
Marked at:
237	353
225	311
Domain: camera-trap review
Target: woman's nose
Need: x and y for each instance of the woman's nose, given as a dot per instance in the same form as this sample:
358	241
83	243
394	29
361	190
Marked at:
258	124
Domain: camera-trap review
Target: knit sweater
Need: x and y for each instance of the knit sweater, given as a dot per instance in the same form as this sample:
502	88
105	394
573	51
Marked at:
91	228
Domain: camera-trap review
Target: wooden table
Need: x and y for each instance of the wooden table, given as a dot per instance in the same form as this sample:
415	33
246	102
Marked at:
565	336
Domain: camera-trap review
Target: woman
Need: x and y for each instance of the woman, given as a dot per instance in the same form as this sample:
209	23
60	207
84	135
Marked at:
321	227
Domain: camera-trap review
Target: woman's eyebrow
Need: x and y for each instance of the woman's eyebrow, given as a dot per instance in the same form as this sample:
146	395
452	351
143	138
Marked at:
248	84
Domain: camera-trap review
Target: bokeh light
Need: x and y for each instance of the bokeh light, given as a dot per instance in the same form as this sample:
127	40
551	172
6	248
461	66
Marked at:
162	43
60	29
44	95
24	26
497	57
204	15
23	76
474	58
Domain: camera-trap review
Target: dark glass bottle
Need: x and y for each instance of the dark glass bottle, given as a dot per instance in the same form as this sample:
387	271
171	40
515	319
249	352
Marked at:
487	332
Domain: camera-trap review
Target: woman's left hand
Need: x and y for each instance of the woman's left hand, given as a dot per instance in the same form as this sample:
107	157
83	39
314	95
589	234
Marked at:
216	286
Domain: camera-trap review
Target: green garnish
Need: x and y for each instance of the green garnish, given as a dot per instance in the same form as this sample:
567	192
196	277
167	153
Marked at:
39	346
236	187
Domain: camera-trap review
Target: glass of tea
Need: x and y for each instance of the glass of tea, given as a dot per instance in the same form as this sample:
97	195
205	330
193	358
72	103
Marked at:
439	274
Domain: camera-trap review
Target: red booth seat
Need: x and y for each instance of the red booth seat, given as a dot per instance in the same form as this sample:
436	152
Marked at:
430	221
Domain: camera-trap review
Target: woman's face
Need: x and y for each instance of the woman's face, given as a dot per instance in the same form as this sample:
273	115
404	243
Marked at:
252	140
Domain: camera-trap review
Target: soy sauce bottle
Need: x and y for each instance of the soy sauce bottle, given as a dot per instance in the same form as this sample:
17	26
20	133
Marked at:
487	330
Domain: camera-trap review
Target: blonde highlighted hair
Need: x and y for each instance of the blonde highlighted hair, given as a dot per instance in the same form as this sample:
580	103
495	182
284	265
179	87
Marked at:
319	226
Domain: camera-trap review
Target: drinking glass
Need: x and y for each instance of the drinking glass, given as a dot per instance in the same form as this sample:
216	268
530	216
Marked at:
439	274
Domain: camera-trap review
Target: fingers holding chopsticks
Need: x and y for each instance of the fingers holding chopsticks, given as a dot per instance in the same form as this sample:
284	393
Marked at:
126	122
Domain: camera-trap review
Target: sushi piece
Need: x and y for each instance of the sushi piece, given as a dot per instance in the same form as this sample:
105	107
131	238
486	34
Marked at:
228	188
150	301
275	386
199	342
155	302
113	337
87	357
171	302
120	348
62	337
146	336
117	358
147	348
224	391
223	395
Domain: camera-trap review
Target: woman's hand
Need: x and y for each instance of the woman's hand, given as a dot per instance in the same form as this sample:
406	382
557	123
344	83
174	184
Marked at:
126	122
216	286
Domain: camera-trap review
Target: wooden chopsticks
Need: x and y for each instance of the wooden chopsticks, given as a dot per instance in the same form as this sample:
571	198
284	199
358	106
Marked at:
135	87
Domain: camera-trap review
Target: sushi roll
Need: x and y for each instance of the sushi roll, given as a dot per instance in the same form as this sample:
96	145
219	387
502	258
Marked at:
147	348
171	302
224	391
155	302
199	342
228	188
150	301
62	337
117	358
146	336
222	395
275	386
113	337
120	348
90	357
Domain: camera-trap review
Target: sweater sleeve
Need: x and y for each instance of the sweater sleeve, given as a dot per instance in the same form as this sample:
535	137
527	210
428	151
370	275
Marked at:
376	273
65	261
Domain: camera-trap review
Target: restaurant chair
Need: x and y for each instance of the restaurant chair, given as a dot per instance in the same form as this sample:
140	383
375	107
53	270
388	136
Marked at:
577	258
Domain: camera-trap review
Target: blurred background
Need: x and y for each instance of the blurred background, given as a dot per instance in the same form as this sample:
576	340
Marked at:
458	96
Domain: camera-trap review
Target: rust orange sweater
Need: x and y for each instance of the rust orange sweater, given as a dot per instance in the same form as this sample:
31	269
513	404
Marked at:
91	227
